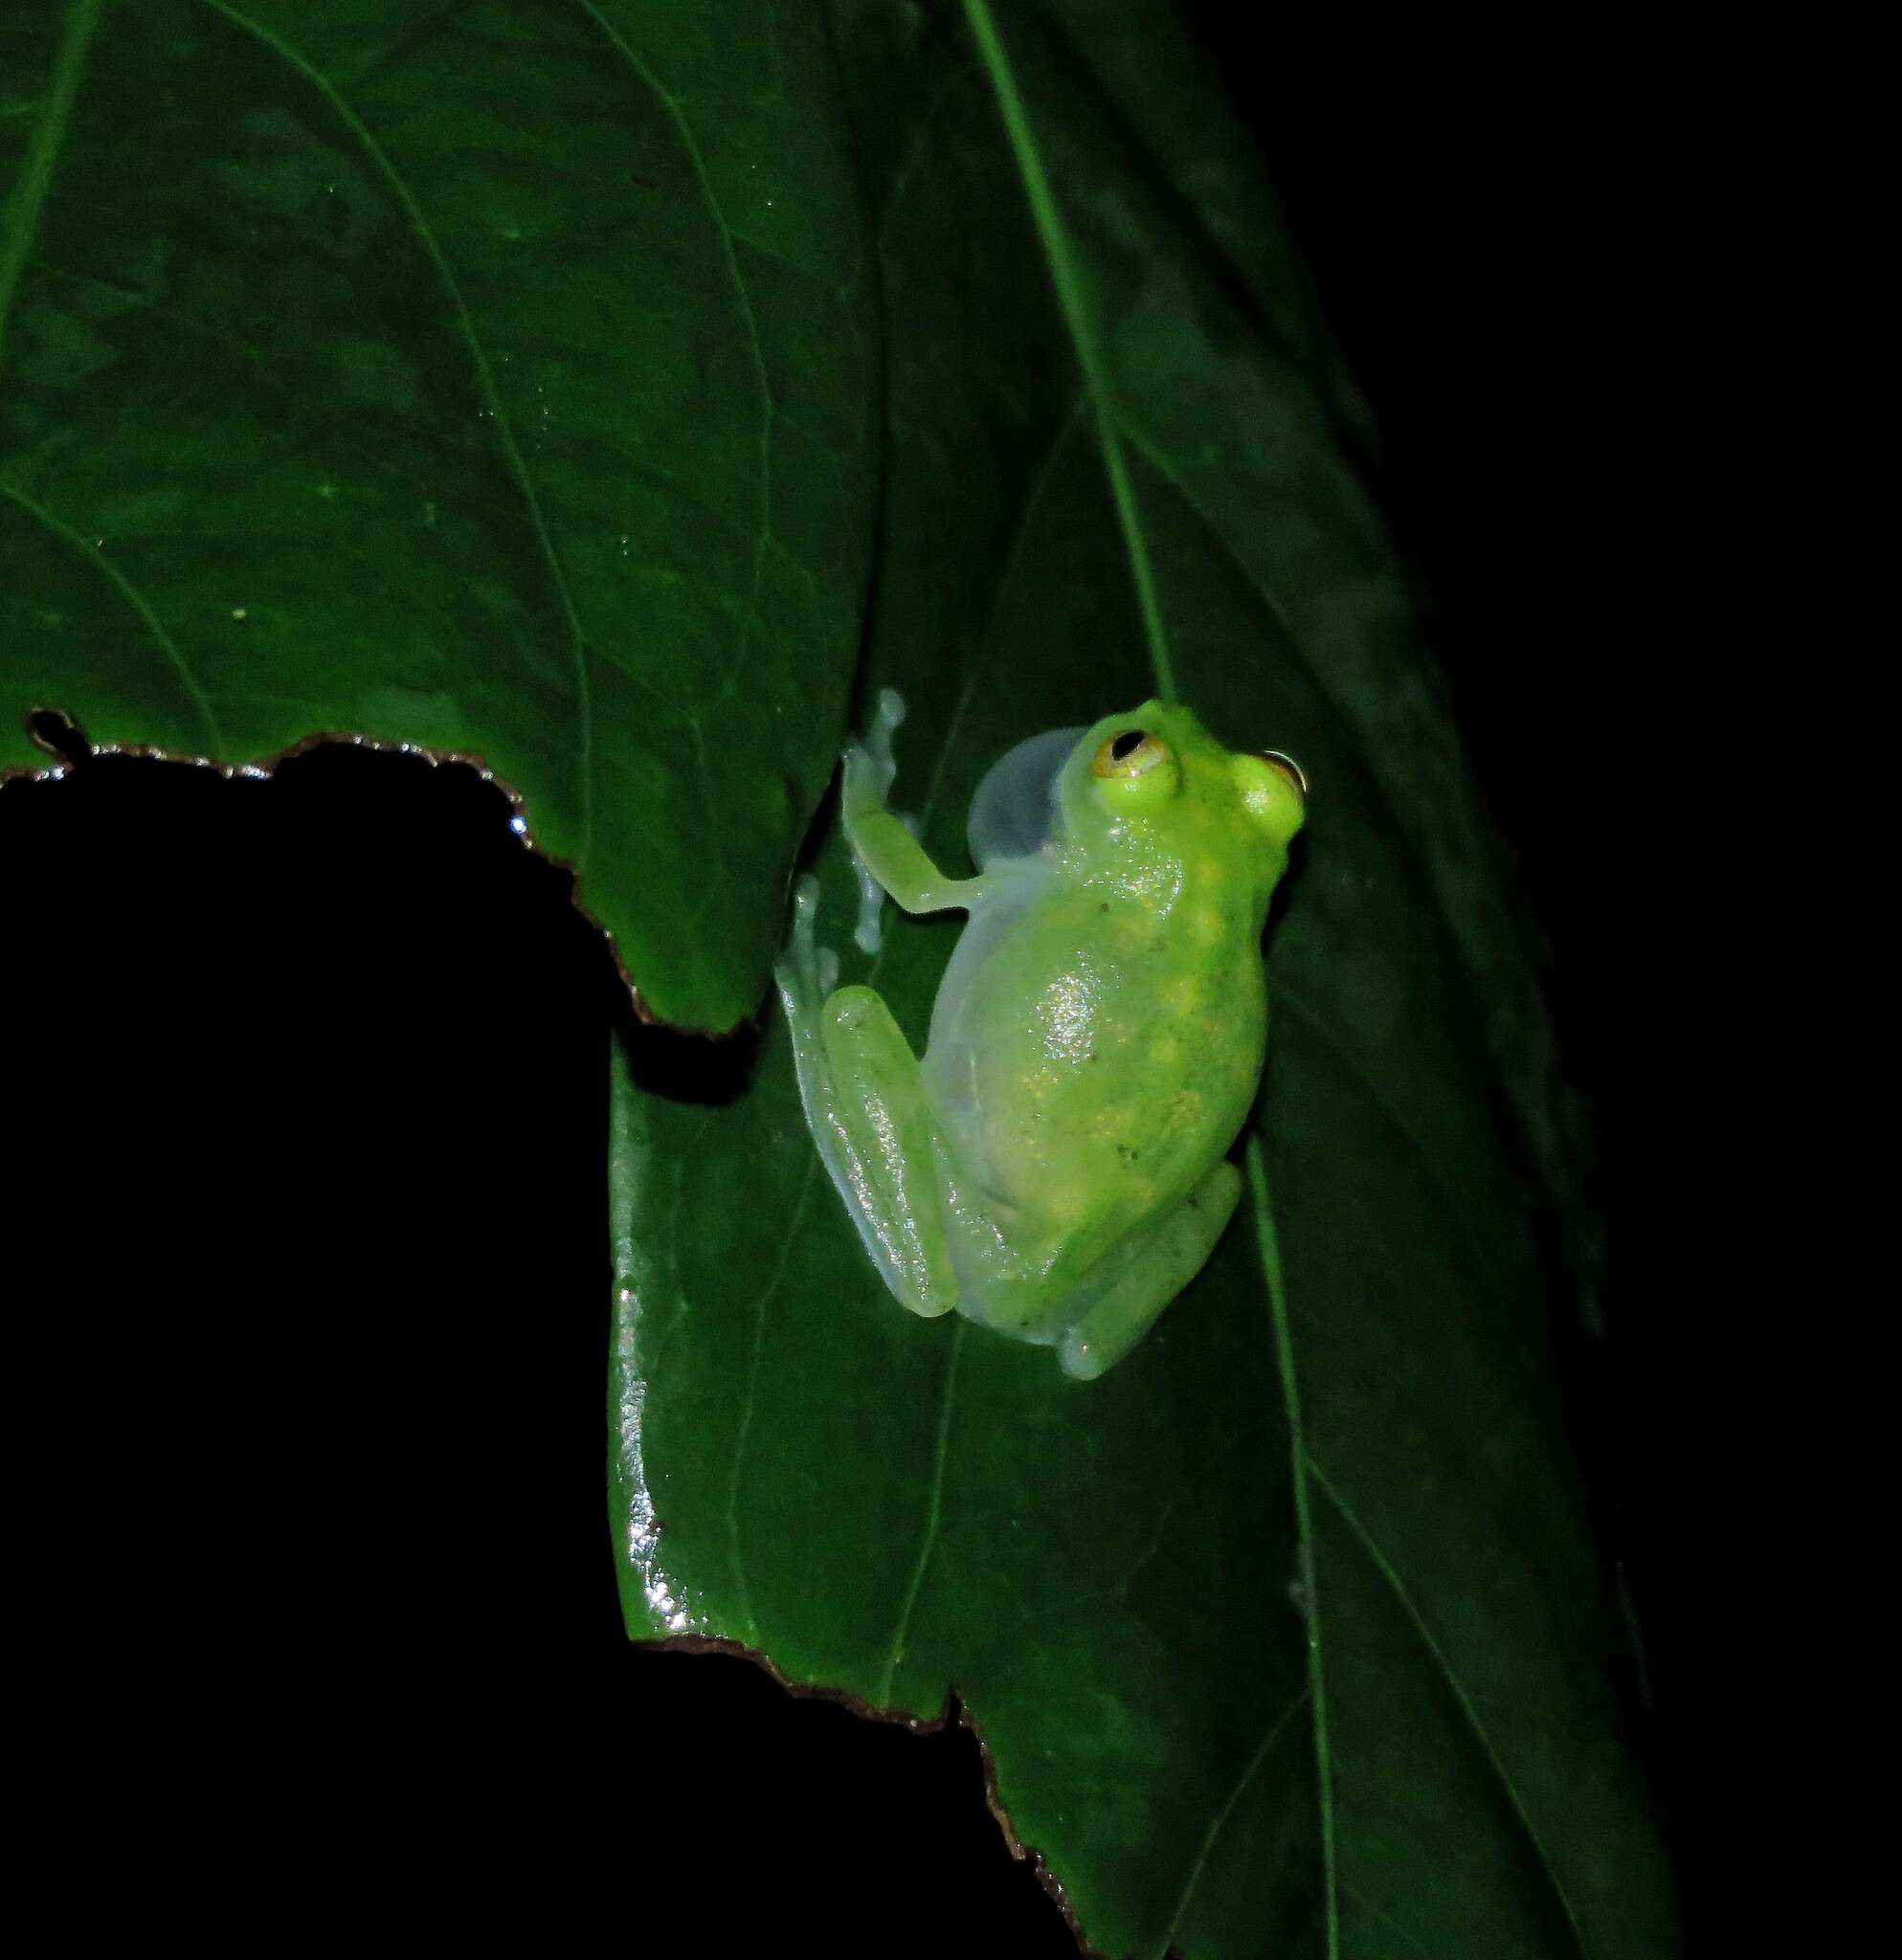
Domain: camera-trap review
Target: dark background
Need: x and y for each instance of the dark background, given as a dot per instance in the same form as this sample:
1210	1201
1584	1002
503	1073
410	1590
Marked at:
311	1552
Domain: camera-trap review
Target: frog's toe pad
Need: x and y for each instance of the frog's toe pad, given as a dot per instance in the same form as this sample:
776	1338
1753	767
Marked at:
1081	1361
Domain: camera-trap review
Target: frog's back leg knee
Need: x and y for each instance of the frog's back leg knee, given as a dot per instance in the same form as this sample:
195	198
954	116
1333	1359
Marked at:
1157	1271
875	1135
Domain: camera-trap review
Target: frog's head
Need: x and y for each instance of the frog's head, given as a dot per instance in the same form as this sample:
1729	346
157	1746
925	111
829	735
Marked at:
1156	778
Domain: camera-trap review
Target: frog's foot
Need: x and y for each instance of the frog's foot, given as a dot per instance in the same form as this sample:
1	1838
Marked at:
885	844
871	770
868	935
1156	1272
870	766
805	972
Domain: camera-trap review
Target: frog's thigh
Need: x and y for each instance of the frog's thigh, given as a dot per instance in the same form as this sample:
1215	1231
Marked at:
866	1107
881	1156
1157	1270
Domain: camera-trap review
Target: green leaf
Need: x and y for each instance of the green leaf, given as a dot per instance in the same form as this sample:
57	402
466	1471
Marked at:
493	380
500	381
1289	1635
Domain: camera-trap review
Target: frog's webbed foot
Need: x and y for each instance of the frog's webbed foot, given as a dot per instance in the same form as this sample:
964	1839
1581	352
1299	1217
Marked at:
806	971
885	850
863	1097
870	770
870	766
1156	1272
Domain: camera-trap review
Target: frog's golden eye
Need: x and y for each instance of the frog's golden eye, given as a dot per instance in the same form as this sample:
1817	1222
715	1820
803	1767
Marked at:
1285	765
1133	752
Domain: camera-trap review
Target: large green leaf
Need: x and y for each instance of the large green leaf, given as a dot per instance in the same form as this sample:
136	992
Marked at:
1289	1635
492	379
498	380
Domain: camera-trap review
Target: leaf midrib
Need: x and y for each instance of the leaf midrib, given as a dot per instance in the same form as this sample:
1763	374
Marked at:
1082	326
1048	223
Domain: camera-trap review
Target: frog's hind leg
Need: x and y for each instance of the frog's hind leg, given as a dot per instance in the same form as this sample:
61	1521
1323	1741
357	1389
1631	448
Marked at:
1156	1272
864	1100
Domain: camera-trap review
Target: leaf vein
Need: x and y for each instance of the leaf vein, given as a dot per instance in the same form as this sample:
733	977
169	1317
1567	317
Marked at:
1284	1340
1464	1699
28	197
1249	1770
934	1512
1358	1073
743	1431
135	599
516	462
921	136
729	242
1386	1919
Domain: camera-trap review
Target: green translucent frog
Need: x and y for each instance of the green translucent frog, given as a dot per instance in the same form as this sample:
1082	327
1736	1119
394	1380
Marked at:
1056	1166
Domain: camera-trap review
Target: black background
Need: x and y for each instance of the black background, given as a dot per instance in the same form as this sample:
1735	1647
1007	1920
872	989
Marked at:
311	1566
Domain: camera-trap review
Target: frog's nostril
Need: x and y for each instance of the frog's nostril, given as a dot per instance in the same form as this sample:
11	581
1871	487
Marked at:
1286	766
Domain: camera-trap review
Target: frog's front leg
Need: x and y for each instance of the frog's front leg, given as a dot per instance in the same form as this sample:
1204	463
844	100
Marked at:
1157	1269
865	1103
891	855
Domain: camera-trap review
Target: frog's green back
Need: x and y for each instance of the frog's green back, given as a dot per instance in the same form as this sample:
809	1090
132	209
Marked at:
1099	1034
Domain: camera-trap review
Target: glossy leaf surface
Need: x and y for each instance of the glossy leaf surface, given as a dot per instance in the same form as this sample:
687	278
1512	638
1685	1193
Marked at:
1347	1684
495	380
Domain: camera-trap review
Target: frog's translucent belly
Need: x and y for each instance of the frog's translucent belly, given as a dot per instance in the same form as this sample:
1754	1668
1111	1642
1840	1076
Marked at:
1085	1068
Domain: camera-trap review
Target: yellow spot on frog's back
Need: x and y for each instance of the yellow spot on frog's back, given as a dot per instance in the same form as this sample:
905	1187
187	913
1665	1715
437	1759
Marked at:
1205	925
1166	1053
1181	995
1211	873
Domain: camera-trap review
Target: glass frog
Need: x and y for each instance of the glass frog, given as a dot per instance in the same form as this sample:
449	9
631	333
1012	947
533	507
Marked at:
1056	1166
